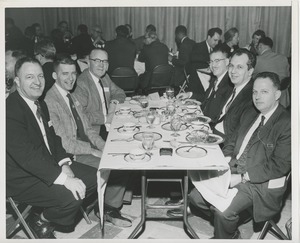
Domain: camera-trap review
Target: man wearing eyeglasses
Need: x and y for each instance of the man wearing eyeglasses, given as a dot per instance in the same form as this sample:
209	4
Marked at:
97	93
220	87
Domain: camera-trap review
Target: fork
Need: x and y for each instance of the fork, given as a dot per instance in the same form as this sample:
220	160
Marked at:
188	150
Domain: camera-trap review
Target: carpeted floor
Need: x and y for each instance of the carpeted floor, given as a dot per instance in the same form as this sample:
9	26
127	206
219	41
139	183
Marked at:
156	229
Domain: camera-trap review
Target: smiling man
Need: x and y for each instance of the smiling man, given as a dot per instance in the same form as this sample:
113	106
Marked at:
69	121
39	172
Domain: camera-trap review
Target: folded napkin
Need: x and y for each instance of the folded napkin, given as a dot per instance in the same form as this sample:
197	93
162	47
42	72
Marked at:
214	187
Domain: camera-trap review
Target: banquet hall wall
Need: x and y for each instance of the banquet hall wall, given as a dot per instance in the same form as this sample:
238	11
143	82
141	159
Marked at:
275	21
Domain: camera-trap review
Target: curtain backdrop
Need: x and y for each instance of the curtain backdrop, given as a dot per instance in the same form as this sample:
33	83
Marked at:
275	21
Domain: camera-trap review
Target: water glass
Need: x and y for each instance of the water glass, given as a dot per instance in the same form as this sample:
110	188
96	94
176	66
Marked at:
148	141
150	117
175	124
170	92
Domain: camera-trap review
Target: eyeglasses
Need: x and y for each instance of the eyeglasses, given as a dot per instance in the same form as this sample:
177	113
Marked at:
216	61
99	61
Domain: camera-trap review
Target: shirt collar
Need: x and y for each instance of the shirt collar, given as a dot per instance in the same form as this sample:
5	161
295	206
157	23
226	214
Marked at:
29	102
96	80
183	39
61	90
208	47
269	114
220	78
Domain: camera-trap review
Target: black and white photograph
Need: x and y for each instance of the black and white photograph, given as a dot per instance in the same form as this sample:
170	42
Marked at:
150	120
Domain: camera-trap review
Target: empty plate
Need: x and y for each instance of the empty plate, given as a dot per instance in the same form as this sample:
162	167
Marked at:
191	151
145	159
167	126
139	136
121	130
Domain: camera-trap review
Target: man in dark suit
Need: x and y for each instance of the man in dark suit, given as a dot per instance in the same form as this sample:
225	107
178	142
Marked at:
154	53
140	41
220	87
259	155
39	172
121	51
81	44
199	60
185	46
240	71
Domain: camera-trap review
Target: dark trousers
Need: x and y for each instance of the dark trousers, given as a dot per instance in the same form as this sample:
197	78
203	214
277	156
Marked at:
58	202
225	223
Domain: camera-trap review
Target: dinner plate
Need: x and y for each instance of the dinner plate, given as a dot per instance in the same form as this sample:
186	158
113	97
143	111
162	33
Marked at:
204	119
121	130
145	159
191	151
191	102
167	126
212	139
118	113
139	136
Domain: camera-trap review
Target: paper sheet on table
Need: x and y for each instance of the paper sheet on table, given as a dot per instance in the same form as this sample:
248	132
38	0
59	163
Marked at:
214	187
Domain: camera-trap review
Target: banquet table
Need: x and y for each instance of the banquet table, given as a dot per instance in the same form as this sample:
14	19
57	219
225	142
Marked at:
213	160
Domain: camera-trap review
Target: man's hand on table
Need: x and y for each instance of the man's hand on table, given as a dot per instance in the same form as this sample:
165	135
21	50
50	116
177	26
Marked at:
96	153
76	186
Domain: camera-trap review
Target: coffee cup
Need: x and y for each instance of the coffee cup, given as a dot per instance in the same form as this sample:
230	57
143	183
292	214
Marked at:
137	154
129	126
124	110
191	108
197	124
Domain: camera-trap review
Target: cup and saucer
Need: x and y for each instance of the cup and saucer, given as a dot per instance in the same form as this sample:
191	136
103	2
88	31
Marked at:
124	111
128	127
137	155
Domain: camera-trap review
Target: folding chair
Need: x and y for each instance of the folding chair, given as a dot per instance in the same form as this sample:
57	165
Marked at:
186	81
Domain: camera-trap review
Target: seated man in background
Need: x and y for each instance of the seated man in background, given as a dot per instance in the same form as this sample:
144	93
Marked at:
259	155
68	119
45	52
185	46
269	61
39	172
154	53
121	51
78	138
140	41
200	60
253	46
97	94
220	87
97	37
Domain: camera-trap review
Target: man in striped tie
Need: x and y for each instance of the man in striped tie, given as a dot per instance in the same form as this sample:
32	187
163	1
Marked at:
259	155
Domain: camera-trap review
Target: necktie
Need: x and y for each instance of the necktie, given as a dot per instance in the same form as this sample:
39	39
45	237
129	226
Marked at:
39	112
80	129
106	107
241	162
230	102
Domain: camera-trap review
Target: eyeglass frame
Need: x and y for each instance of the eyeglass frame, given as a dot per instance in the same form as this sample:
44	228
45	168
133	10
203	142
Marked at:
97	60
216	61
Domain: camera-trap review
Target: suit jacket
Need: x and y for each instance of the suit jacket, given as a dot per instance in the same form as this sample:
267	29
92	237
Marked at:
213	105
49	80
27	158
65	125
184	53
81	45
139	43
87	94
269	158
121	53
272	62
228	49
200	55
240	103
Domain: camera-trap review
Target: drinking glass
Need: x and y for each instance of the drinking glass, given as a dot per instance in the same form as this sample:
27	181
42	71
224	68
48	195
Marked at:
170	92
148	141
175	124
150	117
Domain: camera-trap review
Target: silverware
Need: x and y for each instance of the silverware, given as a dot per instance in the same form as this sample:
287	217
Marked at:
167	141
188	150
122	139
117	154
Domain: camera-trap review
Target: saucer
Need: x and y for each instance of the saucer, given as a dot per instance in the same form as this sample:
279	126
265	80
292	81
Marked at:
167	126
139	136
145	159
118	113
121	130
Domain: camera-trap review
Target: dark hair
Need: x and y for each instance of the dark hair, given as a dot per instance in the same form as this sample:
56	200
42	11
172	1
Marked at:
62	22
266	41
221	49
272	76
46	48
23	60
260	33
180	29
35	25
82	28
18	54
252	58
62	59
122	31
150	27
211	32
229	34
128	26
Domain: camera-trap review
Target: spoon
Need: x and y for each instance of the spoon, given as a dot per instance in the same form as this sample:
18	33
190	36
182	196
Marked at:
188	150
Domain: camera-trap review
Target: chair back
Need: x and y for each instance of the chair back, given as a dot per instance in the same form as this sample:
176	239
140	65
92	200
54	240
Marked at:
126	78
160	77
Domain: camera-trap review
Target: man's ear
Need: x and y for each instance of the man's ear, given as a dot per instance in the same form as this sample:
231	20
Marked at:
17	81
54	75
251	71
277	94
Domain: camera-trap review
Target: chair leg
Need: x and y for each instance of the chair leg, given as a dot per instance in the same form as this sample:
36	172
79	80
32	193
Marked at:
86	217
274	230
278	230
263	231
21	218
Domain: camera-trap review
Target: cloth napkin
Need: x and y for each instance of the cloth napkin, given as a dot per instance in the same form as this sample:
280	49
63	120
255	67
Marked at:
214	187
